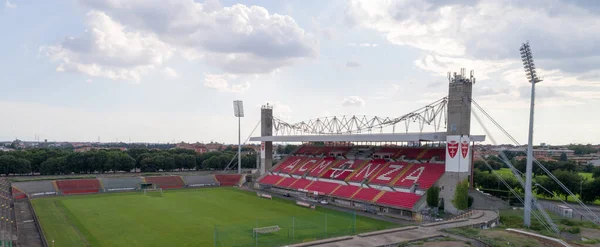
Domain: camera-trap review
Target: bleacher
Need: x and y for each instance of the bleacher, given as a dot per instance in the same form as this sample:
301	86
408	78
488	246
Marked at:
365	174
367	171
78	186
342	169
166	182
36	188
398	199
120	184
199	181
8	227
228	179
423	174
366	194
324	188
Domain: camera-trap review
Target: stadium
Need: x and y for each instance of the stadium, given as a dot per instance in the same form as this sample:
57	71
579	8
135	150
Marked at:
341	186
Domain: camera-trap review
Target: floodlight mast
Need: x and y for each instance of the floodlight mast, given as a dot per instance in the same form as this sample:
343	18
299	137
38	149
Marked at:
529	66
238	111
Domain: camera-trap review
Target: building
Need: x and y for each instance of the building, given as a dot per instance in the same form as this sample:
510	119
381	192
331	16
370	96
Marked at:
197	147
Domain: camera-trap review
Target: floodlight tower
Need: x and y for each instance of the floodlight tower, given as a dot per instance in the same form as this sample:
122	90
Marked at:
238	111
529	66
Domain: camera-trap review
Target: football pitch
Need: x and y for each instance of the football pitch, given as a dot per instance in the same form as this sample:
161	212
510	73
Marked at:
193	217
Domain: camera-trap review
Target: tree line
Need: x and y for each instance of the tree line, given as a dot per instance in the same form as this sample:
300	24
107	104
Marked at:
565	171
44	161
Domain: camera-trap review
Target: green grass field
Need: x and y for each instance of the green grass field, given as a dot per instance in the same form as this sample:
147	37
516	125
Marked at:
187	218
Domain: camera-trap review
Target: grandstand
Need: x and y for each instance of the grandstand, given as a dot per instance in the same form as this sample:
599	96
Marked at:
228	179
78	186
120	183
166	182
392	184
389	172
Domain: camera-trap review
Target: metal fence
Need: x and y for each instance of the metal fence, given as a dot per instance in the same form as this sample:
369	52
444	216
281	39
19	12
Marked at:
288	230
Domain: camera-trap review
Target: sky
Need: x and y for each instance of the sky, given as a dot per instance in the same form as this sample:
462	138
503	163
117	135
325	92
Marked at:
168	70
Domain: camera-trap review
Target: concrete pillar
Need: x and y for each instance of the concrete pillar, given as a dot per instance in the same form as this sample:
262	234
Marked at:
266	129
458	148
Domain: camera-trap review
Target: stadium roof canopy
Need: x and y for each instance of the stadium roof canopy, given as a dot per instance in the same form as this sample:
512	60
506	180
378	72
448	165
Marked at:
386	137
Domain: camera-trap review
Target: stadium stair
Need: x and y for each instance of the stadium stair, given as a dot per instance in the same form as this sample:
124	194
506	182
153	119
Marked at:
422	153
55	186
78	186
401	174
360	166
398	199
101	185
228	179
378	172
378	196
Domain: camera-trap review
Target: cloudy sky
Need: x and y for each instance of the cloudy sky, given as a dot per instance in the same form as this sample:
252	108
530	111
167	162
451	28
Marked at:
168	70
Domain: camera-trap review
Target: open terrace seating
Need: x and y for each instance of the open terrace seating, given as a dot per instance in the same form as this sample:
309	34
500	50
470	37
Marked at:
388	173
228	179
270	179
423	174
367	171
399	199
78	186
322	166
322	187
166	182
345	191
342	169
290	164
366	194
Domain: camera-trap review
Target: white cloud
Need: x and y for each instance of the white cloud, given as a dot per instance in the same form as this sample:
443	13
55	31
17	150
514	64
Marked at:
89	81
237	39
485	36
10	5
352	64
108	49
223	83
353	101
170	72
363	44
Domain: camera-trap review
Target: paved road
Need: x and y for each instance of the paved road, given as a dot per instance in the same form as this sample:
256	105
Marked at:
421	232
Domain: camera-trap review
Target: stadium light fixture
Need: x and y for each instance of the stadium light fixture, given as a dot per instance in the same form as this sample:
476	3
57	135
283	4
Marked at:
238	111
529	66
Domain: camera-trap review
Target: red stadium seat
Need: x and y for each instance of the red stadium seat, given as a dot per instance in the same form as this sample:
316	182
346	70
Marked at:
389	172
423	174
288	164
166	182
78	186
398	199
322	166
322	187
366	194
345	191
342	169
270	179
228	179
306	165
368	170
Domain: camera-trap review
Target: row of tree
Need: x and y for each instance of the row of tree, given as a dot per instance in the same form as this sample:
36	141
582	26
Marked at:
58	161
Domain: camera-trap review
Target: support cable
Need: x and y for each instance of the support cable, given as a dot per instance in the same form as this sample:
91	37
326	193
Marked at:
229	166
596	218
544	214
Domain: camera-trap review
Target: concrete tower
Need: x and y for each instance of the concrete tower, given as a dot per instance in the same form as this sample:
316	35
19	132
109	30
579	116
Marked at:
458	148
266	129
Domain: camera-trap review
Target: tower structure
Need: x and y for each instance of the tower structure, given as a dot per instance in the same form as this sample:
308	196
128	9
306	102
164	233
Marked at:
266	129
458	141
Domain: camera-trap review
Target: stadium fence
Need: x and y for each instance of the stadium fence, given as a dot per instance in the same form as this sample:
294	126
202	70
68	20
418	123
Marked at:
288	230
